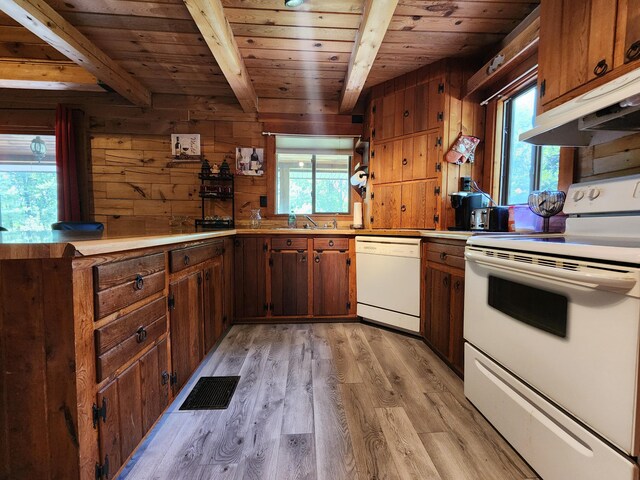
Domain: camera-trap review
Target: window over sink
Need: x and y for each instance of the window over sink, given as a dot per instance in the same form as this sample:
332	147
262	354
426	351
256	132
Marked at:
524	167
28	186
312	174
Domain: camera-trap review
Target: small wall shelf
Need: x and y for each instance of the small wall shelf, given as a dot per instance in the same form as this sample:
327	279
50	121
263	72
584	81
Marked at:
216	186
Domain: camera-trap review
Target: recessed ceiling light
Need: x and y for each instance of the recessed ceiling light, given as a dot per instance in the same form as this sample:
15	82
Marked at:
293	3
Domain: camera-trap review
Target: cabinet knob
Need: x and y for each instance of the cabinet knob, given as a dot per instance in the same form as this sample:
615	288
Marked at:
405	114
303	259
288	242
331	243
601	68
138	282
141	335
633	51
443	256
165	377
404	161
445	281
403	208
317	259
186	259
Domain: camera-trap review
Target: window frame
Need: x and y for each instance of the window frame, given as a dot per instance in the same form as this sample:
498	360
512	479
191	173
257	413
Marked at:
272	181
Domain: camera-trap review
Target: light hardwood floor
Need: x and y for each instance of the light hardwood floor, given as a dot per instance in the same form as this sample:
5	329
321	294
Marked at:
327	402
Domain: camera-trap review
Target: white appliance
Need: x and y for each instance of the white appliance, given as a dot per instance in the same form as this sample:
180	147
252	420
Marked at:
552	325
388	281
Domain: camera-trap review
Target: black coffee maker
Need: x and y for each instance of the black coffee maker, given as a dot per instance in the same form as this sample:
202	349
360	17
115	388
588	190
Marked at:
464	202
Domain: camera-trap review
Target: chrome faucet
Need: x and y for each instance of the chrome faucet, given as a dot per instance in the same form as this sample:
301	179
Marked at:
311	220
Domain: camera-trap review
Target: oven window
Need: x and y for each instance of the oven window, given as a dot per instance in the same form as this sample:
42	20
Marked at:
538	308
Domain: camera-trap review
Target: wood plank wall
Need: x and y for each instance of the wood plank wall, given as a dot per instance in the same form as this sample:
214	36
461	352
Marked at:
614	159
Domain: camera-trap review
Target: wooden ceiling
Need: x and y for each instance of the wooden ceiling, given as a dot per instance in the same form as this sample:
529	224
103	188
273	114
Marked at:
298	57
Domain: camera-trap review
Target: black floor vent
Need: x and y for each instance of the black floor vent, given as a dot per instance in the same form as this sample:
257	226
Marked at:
211	393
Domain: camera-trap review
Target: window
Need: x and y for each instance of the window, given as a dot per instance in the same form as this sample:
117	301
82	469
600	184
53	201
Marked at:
28	187
525	167
312	174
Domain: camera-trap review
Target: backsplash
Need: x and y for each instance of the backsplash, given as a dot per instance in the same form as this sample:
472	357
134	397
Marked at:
614	159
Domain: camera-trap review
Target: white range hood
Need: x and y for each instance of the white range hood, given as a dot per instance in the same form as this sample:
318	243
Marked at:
576	123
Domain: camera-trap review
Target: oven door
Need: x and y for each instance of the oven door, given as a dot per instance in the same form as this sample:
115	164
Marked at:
568	329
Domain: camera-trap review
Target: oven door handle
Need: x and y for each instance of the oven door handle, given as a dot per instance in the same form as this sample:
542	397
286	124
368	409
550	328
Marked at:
605	281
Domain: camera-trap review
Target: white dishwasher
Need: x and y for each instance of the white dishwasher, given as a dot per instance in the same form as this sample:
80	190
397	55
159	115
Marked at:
388	281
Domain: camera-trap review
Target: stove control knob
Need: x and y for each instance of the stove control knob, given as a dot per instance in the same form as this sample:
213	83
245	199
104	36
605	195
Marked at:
578	195
594	193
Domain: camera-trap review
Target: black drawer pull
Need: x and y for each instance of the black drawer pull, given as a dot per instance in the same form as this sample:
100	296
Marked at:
141	335
186	259
331	243
138	282
289	242
443	256
633	51
404	161
601	68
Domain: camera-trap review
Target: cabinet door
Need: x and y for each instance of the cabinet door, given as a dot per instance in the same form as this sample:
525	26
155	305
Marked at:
213	297
436	103
437	319
109	428
130	402
250	277
576	44
421	102
154	383
186	318
457	321
289	283
228	274
408	112
629	23
415	150
331	283
418	204
388	116
386	206
377	132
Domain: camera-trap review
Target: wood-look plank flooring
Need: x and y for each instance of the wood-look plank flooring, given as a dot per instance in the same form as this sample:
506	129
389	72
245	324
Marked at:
327	402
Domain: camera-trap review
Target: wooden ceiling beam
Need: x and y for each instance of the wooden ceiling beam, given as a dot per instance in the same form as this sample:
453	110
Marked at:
46	75
368	40
213	25
39	18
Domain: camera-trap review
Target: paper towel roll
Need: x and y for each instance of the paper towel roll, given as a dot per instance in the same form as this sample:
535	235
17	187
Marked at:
357	215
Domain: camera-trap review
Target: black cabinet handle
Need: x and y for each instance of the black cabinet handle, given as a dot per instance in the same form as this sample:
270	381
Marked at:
601	68
186	259
633	51
443	256
405	114
141	335
138	282
288	242
403	208
331	243
317	259
165	377
404	161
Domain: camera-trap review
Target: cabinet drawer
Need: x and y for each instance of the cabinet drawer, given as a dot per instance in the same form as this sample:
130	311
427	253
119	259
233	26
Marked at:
116	273
331	243
182	258
141	286
116	332
446	254
287	243
112	359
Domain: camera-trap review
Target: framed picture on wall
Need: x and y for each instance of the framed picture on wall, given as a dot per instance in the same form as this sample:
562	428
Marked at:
249	161
185	144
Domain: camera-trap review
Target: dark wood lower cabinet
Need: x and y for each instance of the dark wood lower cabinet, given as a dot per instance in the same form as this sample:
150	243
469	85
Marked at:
213	296
289	283
443	307
186	318
331	283
129	405
250	256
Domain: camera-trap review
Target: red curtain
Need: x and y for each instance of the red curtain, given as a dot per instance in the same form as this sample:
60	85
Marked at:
67	167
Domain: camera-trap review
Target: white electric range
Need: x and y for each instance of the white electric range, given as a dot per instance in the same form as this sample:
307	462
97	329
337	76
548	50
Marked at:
552	330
